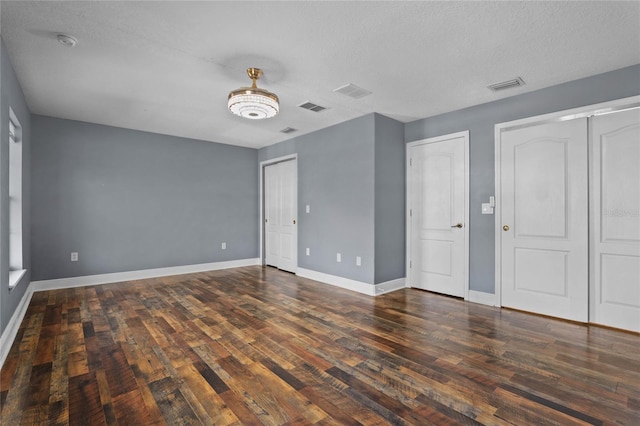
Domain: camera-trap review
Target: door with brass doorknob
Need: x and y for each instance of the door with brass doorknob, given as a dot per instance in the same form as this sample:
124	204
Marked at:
280	209
437	192
543	205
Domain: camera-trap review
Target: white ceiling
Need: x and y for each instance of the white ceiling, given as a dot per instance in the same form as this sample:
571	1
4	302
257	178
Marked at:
167	66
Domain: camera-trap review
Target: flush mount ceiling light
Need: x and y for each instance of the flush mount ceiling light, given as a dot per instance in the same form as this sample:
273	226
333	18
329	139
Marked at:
252	102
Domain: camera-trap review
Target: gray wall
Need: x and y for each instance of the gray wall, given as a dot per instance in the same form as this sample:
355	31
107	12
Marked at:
11	96
352	177
480	121
389	199
336	179
129	200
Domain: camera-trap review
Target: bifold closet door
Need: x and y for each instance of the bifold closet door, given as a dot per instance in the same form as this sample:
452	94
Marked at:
544	235
280	210
615	219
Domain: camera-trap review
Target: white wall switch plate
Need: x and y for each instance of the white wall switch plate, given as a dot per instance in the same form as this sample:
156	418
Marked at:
223	246
308	208
308	251
74	256
358	261
338	257
486	208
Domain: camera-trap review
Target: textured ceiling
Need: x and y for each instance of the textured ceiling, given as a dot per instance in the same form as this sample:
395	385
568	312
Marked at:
167	67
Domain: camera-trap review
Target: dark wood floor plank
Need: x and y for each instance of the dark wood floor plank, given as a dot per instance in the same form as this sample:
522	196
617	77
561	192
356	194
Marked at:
119	373
172	404
84	400
254	345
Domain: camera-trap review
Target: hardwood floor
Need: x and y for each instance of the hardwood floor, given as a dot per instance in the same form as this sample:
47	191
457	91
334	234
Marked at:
258	346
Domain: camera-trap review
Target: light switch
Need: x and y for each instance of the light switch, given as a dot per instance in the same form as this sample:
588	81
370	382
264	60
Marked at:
358	261
308	208
308	251
487	208
338	257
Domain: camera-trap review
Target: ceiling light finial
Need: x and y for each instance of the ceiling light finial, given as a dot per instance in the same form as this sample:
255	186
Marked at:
67	40
253	102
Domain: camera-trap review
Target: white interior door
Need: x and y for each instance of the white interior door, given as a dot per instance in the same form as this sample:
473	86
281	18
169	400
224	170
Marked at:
280	210
543	202
438	234
288	258
615	202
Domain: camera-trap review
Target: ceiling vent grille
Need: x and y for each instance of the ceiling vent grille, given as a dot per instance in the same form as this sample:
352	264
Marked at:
288	130
509	84
352	91
312	107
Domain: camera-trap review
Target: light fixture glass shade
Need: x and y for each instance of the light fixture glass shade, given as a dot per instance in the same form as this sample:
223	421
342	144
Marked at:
252	102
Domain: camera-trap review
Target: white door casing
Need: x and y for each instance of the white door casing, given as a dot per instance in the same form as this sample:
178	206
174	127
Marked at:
280	215
543	203
615	219
437	226
271	215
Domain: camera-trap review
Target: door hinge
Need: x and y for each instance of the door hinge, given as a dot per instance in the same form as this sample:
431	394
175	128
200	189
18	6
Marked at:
410	162
410	264
410	212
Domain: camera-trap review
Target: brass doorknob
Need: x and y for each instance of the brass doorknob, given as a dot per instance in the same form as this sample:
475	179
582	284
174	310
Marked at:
457	225
506	227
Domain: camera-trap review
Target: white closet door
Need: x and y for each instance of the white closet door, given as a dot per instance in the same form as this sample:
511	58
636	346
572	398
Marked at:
280	210
543	200
288	257
438	198
615	198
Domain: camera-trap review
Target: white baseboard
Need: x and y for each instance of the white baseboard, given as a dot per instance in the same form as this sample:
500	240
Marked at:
353	285
349	284
389	286
482	298
137	275
11	330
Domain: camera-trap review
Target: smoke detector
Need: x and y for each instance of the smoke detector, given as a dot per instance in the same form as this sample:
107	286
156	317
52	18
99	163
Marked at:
67	40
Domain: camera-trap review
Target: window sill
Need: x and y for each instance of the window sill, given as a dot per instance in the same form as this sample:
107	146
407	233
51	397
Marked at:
15	277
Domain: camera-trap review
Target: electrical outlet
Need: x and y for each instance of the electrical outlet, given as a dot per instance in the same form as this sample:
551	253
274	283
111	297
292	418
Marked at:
358	261
308	251
338	257
223	246
74	256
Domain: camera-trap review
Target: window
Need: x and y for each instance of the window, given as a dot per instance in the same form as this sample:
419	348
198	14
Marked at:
16	270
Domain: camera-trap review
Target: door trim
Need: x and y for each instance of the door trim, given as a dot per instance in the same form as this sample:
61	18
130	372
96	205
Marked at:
262	165
570	114
465	135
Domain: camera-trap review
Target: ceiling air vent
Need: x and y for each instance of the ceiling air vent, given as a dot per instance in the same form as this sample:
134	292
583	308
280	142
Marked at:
352	91
509	84
288	130
312	107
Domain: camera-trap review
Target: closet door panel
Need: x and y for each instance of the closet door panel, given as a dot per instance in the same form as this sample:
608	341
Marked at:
615	220
543	199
